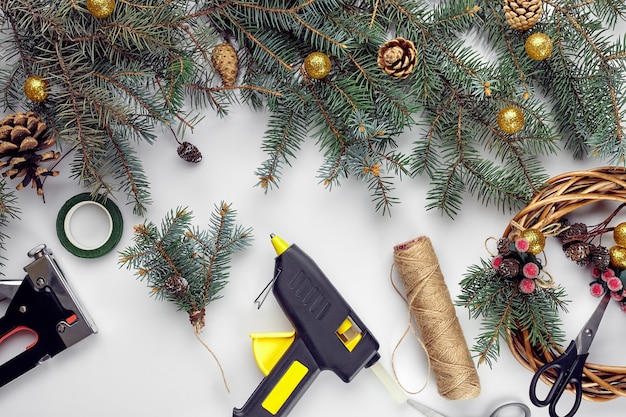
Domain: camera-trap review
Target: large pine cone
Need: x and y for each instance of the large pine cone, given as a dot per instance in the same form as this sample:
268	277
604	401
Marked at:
22	135
522	15
226	63
397	58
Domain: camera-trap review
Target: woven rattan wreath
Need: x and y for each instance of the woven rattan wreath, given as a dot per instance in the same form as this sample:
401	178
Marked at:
548	209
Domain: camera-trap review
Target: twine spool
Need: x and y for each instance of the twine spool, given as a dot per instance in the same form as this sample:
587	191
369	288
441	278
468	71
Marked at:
433	312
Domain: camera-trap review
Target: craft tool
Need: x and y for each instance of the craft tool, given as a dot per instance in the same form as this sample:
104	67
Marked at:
569	366
328	335
44	304
498	412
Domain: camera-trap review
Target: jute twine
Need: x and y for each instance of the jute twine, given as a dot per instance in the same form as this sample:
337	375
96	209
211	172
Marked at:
432	310
562	195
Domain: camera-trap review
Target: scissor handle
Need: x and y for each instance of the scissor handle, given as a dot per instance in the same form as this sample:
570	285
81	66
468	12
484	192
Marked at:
569	367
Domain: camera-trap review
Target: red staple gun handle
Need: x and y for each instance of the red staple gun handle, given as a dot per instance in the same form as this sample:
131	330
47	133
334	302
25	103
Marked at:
44	305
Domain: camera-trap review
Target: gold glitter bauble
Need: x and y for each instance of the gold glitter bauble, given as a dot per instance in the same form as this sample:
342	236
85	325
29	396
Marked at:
538	46
511	120
619	234
536	240
618	257
101	8
36	88
317	65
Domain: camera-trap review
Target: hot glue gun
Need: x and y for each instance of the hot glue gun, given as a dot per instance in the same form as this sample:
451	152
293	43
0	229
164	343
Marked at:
328	335
44	305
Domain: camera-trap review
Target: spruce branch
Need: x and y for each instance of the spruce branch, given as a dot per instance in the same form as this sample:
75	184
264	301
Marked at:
502	308
184	264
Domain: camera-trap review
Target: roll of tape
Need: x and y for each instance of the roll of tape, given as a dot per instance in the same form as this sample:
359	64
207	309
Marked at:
68	240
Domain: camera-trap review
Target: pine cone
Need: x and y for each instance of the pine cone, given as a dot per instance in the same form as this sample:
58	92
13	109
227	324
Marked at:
509	268
226	63
578	252
189	152
176	284
522	15
22	135
600	258
504	245
575	231
397	58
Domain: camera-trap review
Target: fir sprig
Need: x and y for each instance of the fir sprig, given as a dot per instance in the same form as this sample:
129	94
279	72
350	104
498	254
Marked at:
184	264
502	308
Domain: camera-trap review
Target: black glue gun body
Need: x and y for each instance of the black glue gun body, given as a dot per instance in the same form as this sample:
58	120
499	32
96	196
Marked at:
328	336
44	305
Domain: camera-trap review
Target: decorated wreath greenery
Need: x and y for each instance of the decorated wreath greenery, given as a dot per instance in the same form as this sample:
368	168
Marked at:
520	302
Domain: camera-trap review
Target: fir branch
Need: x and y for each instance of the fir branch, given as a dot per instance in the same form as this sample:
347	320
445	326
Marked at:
184	264
502	308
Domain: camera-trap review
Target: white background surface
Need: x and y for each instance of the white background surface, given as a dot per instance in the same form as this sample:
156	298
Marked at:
145	360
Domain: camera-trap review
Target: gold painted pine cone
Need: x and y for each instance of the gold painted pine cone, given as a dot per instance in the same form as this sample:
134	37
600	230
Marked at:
522	15
397	58
226	63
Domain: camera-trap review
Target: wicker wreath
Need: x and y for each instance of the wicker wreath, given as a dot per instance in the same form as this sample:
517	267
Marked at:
562	195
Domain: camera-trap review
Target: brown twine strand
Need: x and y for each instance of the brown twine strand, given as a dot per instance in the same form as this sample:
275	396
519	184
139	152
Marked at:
433	312
217	361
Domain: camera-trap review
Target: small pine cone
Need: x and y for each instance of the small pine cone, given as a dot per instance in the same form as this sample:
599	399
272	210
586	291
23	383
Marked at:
522	15
576	231
599	257
578	252
226	63
176	284
189	152
397	58
22	136
504	245
509	268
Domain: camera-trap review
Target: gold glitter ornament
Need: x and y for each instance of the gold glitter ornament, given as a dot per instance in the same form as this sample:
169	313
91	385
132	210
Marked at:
36	88
538	46
536	240
101	8
619	234
510	120
317	65
617	255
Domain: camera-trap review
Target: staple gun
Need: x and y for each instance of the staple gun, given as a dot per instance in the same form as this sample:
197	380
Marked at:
43	304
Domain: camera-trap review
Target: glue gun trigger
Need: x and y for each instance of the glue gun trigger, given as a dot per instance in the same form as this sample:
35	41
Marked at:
269	348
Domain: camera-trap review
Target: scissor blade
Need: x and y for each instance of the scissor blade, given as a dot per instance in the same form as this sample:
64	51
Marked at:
588	332
424	410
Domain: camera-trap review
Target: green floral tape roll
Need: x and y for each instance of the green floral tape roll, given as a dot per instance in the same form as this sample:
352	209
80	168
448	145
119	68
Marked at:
68	240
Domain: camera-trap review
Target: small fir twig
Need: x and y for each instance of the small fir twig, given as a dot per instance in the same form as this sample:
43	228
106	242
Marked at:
185	265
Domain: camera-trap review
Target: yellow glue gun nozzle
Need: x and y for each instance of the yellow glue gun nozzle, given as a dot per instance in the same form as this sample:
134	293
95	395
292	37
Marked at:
268	348
279	244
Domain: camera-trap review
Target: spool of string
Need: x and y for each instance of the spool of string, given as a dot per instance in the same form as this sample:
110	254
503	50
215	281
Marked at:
432	311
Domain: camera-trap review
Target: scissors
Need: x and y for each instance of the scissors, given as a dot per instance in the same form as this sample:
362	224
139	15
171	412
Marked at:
496	413
569	366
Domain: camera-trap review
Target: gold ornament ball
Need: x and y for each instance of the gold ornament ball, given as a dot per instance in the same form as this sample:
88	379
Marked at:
538	46
619	234
317	65
536	240
101	8
510	120
36	88
617	255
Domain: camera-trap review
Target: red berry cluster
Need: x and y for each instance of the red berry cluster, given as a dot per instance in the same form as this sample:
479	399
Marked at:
578	245
515	262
